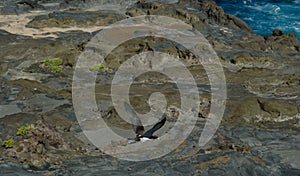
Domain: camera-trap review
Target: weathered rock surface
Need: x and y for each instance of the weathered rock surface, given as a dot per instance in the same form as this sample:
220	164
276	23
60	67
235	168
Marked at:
73	18
259	134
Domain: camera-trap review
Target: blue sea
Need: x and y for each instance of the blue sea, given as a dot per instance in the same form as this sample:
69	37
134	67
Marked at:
265	15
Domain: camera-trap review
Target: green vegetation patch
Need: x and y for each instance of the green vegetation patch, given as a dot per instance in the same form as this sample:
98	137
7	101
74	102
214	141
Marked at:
53	62
55	69
23	130
99	67
8	143
54	65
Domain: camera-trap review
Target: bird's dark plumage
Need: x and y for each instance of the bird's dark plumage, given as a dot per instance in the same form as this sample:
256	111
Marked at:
139	128
149	133
136	122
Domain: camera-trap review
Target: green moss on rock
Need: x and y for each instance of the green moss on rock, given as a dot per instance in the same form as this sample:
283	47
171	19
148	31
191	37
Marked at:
8	143
23	130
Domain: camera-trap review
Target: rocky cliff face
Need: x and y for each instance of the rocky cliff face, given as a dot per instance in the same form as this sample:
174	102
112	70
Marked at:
259	134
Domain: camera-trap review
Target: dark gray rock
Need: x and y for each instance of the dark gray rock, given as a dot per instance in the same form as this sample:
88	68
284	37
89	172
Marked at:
262	78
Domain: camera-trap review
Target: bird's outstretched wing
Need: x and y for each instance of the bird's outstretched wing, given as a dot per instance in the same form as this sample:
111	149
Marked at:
136	122
156	127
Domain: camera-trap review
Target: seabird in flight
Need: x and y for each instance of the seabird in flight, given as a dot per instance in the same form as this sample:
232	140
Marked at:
138	128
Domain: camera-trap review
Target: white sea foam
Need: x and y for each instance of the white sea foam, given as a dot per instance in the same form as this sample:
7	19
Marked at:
264	16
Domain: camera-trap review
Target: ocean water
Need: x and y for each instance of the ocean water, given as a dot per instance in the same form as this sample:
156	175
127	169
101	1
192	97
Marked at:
265	15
